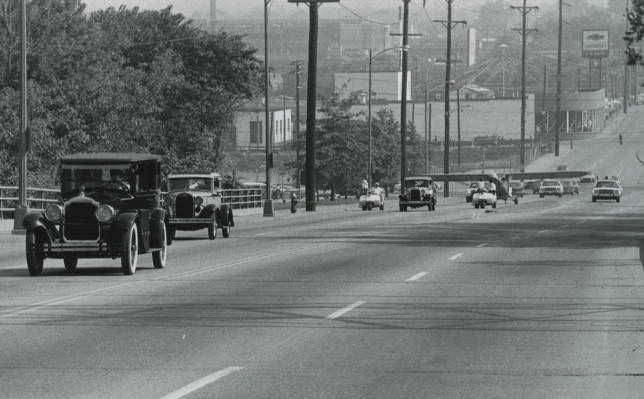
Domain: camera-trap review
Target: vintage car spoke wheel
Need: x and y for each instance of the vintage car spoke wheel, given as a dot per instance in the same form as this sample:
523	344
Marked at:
129	250
212	229
618	199
70	262
159	257
35	257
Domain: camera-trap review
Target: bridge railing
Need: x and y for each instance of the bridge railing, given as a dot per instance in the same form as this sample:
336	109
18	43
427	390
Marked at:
37	198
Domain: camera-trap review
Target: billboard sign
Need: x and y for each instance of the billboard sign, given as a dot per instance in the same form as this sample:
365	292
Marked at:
594	44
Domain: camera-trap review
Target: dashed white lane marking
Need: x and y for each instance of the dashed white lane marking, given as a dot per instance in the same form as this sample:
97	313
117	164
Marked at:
417	276
207	380
563	226
542	231
454	257
345	310
262	234
482	245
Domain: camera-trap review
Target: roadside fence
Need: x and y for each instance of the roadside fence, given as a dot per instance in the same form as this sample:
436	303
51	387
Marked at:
39	198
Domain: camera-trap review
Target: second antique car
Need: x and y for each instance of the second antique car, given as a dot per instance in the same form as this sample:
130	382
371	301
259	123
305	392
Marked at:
418	192
484	196
194	202
111	209
374	198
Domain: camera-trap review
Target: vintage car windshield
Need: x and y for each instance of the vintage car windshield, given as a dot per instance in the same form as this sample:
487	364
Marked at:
113	178
416	183
550	184
474	185
516	184
189	184
606	184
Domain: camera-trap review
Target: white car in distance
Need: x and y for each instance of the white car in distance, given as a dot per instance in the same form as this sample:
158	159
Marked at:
607	190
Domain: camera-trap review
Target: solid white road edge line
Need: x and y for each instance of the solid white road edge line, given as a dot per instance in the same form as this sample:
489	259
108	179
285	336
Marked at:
482	245
345	310
454	257
180	393
417	276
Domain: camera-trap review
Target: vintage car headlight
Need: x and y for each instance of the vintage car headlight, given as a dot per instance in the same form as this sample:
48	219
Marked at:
54	213
105	213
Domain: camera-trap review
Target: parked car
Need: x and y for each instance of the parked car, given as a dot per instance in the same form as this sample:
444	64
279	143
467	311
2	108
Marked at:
551	187
418	192
607	189
111	209
194	203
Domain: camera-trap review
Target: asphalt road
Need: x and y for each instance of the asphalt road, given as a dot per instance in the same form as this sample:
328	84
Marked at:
539	300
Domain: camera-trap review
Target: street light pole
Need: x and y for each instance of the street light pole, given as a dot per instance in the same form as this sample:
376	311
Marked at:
268	203
369	117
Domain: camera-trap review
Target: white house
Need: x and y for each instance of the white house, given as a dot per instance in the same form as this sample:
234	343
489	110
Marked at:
250	122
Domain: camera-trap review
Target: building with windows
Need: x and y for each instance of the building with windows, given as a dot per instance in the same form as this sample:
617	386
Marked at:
249	127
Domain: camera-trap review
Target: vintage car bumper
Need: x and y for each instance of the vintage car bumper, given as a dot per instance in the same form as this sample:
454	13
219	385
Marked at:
412	203
194	220
81	249
601	195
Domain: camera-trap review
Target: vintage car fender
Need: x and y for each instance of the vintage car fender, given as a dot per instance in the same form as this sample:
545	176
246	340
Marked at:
36	221
157	220
207	211
124	221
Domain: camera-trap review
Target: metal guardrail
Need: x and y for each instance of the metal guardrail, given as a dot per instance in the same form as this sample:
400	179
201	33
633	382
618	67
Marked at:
37	198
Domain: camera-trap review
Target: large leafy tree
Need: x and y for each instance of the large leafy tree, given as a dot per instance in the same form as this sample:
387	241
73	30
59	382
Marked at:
121	80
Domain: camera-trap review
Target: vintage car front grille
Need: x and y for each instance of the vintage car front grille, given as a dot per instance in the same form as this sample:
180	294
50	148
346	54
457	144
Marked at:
606	192
80	222
185	207
414	194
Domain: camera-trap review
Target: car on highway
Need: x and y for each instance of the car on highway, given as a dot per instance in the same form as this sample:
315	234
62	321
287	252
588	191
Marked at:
531	186
570	187
111	209
587	179
419	191
607	190
551	187
374	198
483	197
469	191
194	202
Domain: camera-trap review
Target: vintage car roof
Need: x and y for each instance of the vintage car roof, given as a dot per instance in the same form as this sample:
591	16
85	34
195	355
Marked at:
108	157
197	175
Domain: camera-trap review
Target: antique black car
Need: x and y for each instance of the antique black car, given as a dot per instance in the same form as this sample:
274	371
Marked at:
194	202
419	191
111	209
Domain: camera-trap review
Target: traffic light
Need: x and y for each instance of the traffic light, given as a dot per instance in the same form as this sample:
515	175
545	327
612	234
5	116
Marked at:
620	139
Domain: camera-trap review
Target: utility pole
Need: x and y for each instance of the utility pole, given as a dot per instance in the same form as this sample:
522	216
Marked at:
558	100
458	126
449	25
268	203
298	72
626	91
524	31
428	123
21	209
311	98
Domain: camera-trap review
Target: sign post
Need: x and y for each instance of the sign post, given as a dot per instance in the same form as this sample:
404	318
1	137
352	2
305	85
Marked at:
594	46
